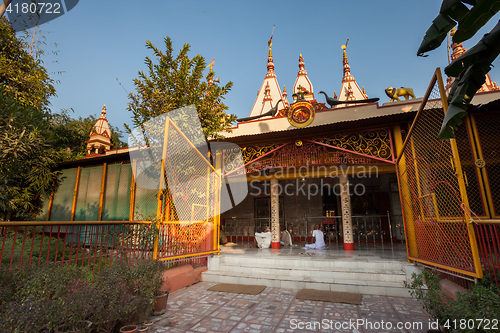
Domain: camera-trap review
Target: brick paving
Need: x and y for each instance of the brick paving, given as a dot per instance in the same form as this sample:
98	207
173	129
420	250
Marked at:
195	309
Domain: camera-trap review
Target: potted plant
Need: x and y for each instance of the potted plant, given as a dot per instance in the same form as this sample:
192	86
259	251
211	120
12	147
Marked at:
160	303
144	280
129	329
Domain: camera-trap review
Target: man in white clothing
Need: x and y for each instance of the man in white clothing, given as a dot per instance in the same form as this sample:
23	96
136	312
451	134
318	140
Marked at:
263	239
319	239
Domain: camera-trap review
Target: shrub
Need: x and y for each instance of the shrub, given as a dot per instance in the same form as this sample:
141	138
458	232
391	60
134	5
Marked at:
40	299
482	301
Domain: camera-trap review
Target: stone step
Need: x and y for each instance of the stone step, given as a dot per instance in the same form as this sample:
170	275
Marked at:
341	273
384	288
372	277
310	263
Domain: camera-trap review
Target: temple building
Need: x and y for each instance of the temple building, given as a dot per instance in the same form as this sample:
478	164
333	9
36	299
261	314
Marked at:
331	165
318	159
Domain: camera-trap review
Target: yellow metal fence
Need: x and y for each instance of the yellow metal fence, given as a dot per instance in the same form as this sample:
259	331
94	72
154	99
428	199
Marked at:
433	192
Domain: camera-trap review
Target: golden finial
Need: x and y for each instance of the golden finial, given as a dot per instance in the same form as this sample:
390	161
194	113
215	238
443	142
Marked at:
452	32
270	42
343	47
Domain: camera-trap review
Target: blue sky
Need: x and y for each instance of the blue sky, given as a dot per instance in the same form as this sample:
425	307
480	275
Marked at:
99	42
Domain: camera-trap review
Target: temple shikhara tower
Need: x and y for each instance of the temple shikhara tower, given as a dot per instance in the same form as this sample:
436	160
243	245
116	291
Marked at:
269	93
302	83
349	91
277	152
100	137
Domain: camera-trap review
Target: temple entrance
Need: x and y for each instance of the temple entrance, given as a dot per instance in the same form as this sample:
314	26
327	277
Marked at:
341	182
303	203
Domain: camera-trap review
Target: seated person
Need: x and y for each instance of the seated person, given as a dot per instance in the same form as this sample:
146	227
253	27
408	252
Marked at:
263	239
319	239
286	238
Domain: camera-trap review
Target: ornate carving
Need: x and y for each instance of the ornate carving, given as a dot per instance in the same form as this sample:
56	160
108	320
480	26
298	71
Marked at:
252	152
301	114
374	143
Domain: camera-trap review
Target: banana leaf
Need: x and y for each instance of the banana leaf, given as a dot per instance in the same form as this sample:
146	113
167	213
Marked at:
486	50
461	93
436	33
477	17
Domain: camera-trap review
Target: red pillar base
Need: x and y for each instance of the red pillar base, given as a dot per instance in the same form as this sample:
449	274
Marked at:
349	246
275	245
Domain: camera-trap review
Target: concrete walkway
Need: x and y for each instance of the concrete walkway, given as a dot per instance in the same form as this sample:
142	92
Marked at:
195	309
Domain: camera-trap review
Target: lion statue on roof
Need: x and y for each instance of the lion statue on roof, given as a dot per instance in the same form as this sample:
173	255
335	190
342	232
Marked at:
394	93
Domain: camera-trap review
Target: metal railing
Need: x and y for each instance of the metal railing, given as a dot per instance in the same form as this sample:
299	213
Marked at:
367	228
94	244
488	239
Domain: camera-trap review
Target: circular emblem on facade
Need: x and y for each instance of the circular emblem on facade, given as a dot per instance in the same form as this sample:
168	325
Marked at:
300	114
298	143
480	163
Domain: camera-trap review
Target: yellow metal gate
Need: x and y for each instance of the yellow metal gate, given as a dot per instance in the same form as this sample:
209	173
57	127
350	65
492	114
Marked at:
433	192
188	199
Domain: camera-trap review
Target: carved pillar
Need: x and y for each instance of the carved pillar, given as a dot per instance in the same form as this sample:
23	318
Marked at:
275	214
346	212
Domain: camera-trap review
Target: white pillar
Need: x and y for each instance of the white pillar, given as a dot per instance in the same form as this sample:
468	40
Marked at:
346	212
275	214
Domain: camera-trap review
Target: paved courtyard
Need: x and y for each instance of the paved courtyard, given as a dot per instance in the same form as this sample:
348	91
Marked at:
195	309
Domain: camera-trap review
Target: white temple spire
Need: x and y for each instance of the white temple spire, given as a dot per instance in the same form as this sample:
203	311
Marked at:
270	92
302	83
350	90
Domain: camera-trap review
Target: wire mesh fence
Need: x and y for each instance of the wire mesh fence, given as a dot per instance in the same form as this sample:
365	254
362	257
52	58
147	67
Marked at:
429	175
190	202
485	129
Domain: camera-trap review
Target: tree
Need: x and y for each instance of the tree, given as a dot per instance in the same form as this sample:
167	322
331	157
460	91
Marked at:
25	156
32	139
20	73
470	68
171	83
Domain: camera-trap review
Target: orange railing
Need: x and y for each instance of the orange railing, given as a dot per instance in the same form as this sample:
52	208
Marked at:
488	238
97	244
93	244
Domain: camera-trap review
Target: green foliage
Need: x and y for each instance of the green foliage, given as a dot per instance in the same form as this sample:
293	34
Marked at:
40	299
174	82
21	75
26	156
471	67
482	301
32	139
